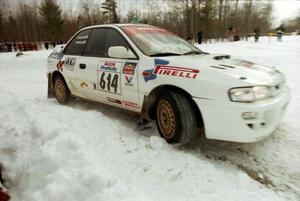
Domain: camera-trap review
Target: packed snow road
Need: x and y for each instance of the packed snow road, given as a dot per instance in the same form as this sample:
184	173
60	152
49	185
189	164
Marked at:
90	152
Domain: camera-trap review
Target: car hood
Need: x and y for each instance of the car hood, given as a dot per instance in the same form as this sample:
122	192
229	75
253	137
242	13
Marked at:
251	73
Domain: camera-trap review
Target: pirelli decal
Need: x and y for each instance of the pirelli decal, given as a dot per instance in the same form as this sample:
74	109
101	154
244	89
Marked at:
176	71
162	68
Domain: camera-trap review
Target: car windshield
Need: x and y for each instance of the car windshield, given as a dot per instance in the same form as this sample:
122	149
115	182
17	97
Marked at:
154	41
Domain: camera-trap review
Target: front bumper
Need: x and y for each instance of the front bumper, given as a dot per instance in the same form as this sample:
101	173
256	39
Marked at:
223	119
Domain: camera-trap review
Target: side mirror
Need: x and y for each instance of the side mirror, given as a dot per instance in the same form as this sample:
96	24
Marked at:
120	52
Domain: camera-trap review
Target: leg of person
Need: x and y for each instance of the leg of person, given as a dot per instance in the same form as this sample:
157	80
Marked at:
144	120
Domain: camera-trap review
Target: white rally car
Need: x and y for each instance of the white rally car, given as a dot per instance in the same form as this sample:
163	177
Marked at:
151	71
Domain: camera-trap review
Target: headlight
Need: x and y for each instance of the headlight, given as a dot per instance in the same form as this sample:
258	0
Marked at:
249	94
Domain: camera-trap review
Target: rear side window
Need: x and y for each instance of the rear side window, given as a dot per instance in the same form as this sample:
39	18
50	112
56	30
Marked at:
97	43
77	45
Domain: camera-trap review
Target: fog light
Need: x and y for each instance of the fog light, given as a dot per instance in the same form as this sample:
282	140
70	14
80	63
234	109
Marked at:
249	115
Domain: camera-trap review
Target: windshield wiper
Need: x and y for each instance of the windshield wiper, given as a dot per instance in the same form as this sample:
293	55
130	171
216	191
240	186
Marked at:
161	54
192	52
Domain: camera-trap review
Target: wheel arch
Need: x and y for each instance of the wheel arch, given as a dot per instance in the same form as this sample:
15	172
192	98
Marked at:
150	102
54	75
51	78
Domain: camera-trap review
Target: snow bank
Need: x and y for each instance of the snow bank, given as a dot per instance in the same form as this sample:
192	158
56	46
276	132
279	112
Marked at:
91	152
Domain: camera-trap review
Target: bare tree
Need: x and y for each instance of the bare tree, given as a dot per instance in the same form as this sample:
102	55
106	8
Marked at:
184	17
2	15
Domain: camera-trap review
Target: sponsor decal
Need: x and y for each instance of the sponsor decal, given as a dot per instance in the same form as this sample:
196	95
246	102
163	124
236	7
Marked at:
56	55
148	74
69	63
124	103
129	68
128	80
84	85
109	66
162	68
247	64
112	100
73	84
253	66
130	104
134	30
109	77
176	71
82	37
80	42
108	82
60	65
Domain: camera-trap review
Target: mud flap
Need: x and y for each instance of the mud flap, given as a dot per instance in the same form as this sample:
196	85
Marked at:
50	88
144	122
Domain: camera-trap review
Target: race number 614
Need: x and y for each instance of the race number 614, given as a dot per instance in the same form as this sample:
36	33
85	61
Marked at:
109	82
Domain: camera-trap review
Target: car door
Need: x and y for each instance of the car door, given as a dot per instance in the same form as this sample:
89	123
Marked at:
114	80
73	65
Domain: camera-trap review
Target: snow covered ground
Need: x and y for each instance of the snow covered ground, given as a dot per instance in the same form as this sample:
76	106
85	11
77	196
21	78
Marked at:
90	152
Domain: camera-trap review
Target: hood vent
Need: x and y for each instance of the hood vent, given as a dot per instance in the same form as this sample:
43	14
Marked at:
227	66
218	67
222	57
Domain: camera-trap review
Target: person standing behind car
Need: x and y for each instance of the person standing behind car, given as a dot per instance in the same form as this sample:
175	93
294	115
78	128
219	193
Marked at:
190	38
8	47
46	45
199	36
53	44
231	33
279	35
257	34
1	47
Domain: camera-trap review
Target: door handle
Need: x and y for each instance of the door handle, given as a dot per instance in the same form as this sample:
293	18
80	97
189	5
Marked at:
82	66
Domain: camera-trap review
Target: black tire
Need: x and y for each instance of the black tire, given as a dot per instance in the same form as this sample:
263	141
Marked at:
175	119
61	90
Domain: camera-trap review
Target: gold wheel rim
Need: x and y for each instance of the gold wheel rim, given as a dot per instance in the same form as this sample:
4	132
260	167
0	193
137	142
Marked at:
60	90
166	119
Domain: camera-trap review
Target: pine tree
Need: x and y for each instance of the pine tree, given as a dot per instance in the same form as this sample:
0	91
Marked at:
52	19
110	8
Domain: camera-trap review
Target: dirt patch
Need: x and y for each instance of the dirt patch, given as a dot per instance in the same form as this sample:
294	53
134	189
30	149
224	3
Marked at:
264	180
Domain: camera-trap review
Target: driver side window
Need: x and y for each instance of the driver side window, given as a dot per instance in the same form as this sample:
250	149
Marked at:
114	38
101	39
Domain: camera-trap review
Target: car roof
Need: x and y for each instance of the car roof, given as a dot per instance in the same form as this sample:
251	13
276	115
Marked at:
114	25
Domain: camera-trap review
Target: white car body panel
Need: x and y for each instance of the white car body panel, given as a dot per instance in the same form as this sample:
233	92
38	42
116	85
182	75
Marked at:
204	77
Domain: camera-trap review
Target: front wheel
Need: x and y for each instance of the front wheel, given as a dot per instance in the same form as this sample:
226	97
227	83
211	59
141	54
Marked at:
61	90
175	118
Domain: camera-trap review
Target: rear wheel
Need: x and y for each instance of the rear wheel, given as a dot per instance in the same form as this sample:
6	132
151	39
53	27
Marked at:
175	118
61	90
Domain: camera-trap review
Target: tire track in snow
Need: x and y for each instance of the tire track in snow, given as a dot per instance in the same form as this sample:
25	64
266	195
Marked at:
272	175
